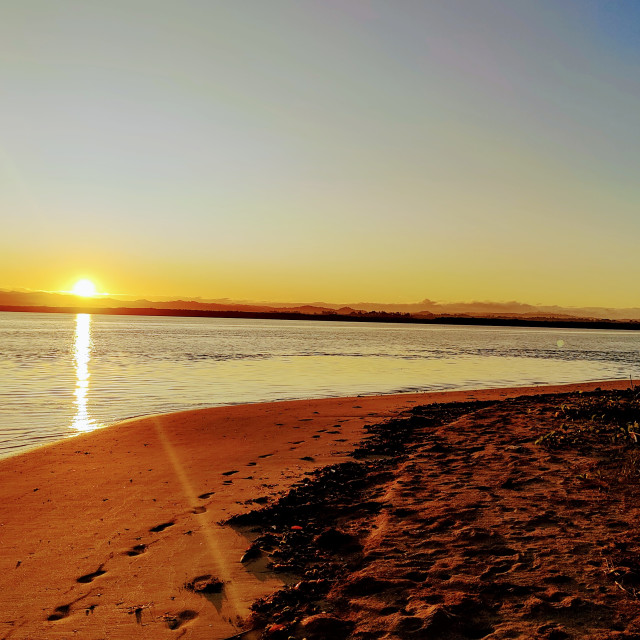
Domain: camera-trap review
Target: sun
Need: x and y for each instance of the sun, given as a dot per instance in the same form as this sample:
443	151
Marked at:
84	288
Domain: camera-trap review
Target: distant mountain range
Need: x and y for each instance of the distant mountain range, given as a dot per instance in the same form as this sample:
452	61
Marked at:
424	309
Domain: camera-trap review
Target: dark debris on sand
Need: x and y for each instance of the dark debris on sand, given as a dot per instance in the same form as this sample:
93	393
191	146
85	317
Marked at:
467	520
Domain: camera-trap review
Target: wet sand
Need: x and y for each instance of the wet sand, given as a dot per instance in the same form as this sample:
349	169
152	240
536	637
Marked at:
122	533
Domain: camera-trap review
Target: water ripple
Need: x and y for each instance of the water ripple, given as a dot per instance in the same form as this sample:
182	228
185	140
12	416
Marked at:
56	380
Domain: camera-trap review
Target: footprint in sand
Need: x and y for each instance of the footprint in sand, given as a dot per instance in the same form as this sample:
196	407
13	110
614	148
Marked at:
137	550
229	473
60	612
65	609
252	464
90	577
161	527
205	584
199	510
308	458
177	620
204	496
137	611
265	455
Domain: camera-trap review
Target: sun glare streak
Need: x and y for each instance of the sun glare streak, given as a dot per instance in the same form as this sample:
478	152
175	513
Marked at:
81	356
214	534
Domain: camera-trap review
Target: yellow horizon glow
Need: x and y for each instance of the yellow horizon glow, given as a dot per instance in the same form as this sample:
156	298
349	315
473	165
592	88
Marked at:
84	288
432	152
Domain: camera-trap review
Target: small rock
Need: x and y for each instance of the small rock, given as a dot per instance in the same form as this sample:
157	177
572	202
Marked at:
275	631
252	553
323	626
311	586
282	568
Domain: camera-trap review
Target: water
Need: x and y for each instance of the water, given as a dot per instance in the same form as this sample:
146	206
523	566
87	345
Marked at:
64	374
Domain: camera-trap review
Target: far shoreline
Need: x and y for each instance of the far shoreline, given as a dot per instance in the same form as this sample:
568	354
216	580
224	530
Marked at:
369	317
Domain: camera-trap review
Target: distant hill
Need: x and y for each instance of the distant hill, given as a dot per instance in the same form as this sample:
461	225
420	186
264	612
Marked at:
427	309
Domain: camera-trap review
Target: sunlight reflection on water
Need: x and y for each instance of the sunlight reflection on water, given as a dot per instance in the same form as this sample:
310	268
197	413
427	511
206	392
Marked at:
81	356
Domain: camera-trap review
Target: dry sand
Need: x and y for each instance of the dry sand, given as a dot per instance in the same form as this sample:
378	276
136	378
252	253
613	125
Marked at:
117	534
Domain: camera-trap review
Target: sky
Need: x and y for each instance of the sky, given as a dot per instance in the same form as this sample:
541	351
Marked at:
299	150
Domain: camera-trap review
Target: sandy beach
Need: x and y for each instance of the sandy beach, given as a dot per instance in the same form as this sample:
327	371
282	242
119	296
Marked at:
174	525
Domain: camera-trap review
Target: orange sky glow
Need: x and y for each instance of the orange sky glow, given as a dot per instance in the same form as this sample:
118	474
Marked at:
342	152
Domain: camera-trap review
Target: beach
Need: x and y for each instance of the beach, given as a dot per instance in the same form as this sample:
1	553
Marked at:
155	527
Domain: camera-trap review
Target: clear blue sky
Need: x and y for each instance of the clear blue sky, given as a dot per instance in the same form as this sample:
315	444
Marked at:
299	150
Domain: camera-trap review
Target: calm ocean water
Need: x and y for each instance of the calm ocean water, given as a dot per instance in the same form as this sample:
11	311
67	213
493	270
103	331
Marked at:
64	374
